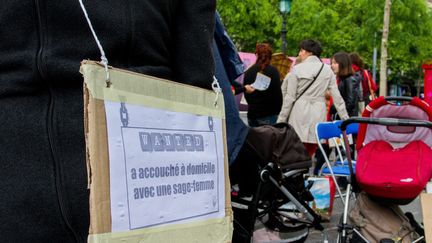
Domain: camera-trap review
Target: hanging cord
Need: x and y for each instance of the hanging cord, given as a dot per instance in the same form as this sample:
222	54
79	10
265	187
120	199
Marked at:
216	88
104	60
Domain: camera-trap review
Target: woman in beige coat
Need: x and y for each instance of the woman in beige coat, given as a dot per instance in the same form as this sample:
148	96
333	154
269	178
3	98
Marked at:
310	108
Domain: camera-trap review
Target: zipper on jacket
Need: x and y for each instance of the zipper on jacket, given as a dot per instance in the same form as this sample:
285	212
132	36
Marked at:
56	164
57	169
40	49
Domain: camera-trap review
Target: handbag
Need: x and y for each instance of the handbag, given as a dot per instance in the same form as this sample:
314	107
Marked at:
372	95
310	84
323	190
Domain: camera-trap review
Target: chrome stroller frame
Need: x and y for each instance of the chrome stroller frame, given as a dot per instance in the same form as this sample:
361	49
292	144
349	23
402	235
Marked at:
345	229
271	175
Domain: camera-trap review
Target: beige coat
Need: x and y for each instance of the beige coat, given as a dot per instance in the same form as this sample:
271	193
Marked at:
310	108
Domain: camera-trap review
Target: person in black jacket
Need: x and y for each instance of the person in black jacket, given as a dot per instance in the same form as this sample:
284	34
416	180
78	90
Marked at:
263	105
348	82
44	195
349	85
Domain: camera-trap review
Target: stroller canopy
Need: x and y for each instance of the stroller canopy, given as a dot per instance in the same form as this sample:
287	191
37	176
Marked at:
397	136
394	162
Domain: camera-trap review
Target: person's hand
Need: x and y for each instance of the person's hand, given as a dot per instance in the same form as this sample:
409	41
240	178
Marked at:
249	89
344	118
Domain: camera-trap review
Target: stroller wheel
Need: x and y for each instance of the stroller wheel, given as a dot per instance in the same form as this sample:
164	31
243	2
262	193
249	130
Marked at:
282	221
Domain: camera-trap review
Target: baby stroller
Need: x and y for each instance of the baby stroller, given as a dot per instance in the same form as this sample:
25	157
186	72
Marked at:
267	175
394	155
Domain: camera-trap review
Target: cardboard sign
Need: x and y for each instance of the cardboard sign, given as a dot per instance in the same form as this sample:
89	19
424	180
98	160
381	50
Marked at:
426	202
156	156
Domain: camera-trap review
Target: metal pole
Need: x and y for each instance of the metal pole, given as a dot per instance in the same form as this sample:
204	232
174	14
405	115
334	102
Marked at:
374	64
283	34
374	59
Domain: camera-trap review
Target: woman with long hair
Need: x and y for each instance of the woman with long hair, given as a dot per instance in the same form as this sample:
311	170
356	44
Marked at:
368	85
263	105
348	82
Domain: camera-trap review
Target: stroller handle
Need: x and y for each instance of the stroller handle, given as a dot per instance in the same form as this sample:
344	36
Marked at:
398	98
386	122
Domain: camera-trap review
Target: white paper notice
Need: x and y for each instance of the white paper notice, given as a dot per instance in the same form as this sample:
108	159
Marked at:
243	100
262	82
165	167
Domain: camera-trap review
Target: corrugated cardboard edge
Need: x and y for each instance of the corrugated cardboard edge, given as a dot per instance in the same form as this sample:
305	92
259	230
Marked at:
97	164
99	184
426	202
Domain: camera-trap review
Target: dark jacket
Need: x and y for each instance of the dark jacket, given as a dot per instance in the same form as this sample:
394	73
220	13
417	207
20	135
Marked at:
228	66
349	90
231	59
44	196
236	129
267	102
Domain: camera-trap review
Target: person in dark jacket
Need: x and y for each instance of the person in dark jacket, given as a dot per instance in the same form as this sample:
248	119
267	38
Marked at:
349	85
44	195
263	105
368	85
348	82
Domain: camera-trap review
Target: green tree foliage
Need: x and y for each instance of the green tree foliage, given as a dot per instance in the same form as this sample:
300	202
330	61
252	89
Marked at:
251	21
340	25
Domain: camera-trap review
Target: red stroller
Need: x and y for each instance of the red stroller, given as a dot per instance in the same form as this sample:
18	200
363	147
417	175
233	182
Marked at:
394	155
395	162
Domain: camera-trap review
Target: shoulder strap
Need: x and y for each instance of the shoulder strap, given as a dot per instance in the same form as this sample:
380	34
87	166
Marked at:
310	84
372	92
305	89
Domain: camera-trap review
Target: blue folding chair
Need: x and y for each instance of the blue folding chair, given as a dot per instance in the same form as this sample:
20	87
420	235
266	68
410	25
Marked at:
339	167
